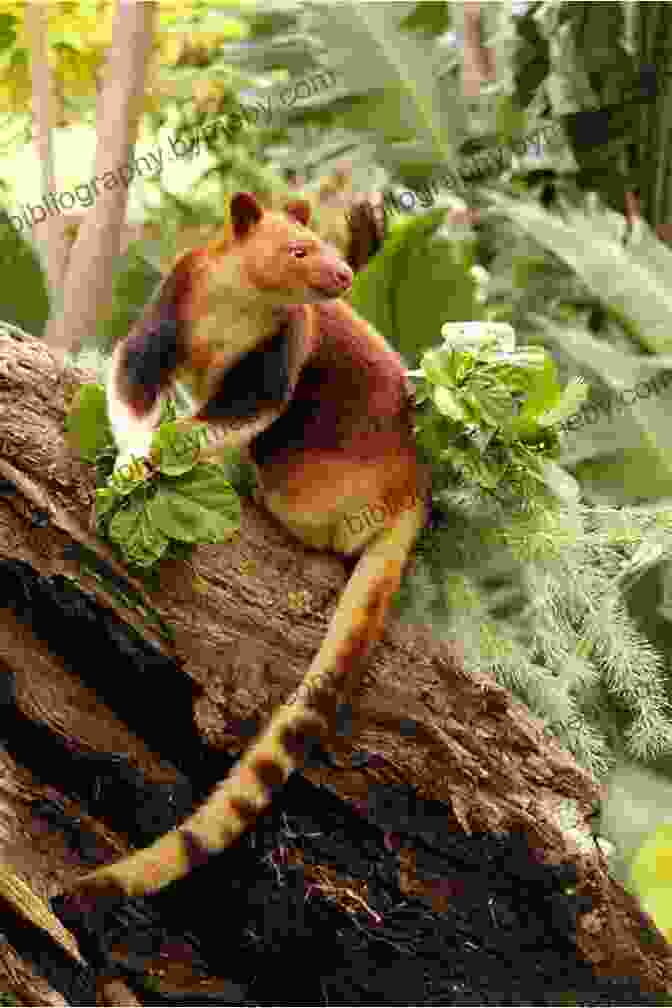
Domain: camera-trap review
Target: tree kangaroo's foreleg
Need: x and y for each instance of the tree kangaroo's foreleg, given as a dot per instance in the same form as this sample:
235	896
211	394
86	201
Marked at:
235	804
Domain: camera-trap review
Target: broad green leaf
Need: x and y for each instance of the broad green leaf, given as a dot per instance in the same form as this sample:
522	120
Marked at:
494	402
199	507
532	58
431	19
24	299
140	541
563	485
373	53
107	499
176	450
8	25
372	290
433	286
630	438
634	279
448	404
462	365
437	366
87	427
541	387
415	284
572	398
135	280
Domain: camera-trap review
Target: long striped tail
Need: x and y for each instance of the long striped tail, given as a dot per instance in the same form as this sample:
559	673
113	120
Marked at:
236	803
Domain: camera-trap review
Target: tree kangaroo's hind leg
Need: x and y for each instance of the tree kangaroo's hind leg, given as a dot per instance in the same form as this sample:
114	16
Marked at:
235	804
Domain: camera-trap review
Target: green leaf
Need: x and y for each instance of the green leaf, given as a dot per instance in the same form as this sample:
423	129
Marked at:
107	499
128	478
448	404
431	19
199	507
24	299
437	365
175	449
135	280
564	486
87	427
494	402
634	279
414	284
433	286
395	74
8	25
572	398
509	119
131	528
541	387
532	58
626	453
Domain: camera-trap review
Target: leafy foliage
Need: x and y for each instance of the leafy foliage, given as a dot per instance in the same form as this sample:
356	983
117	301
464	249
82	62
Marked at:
24	301
529	581
179	502
482	426
87	426
626	456
537	599
135	279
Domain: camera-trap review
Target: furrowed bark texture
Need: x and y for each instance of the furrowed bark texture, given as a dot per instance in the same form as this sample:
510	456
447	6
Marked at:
248	616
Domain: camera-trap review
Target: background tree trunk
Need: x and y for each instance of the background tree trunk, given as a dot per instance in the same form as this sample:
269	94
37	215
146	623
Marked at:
247	618
87	285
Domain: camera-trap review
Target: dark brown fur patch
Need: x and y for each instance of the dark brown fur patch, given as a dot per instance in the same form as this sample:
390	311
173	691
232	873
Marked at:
247	810
87	911
270	773
93	894
299	738
196	851
258	381
153	350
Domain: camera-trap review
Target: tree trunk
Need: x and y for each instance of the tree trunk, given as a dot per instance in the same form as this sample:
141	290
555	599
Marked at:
87	286
247	618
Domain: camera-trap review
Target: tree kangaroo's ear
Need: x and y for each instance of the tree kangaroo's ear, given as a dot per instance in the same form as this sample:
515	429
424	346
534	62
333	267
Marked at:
299	210
366	222
246	212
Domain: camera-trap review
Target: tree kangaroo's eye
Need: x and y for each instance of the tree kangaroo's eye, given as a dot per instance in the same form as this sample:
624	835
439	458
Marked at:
298	253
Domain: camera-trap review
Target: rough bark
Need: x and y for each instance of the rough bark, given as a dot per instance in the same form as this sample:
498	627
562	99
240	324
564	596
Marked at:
247	617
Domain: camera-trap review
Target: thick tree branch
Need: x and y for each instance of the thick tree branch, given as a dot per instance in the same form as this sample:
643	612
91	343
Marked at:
249	615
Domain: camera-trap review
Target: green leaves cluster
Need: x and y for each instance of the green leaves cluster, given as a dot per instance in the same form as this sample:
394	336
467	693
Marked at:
151	509
485	416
